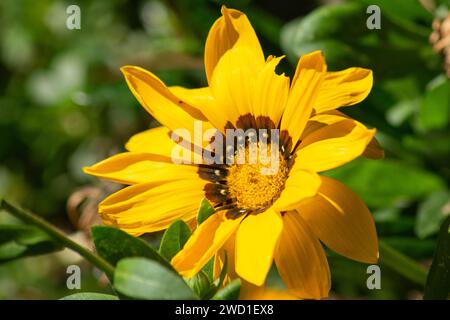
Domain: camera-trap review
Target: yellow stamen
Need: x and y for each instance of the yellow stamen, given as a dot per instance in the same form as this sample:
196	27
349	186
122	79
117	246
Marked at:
256	184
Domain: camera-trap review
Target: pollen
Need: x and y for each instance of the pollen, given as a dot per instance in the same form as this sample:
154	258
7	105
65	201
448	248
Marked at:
257	183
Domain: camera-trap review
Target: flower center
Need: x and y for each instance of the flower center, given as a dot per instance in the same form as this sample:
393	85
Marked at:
258	181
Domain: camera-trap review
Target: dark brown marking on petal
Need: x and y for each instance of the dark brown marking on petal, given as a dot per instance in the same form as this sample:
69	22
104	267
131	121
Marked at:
229	125
216	192
285	143
263	122
213	172
291	160
220	166
235	213
226	206
296	146
246	122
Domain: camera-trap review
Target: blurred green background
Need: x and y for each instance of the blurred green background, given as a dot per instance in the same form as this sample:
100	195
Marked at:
64	105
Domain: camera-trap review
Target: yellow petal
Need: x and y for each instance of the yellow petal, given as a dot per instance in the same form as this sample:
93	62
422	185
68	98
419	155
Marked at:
333	145
314	60
200	98
203	100
329	117
256	241
228	251
231	30
137	167
300	185
301	261
342	221
158	141
149	207
232	85
252	292
373	149
155	141
302	95
270	93
344	88
204	243
170	110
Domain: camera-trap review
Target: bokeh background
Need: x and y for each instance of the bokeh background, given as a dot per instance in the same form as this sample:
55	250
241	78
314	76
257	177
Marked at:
64	105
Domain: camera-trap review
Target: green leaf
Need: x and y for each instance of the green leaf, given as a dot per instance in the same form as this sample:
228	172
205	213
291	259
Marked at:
201	285
18	241
411	246
204	211
402	111
90	296
146	279
209	269
432	213
438	279
214	284
435	109
230	291
438	150
401	263
319	31
113	244
387	183
174	239
404	12
340	31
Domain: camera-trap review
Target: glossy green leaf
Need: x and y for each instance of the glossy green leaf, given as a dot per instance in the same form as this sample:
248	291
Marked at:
230	292
201	285
204	211
214	284
438	280
431	213
113	244
90	296
209	268
18	241
174	239
146	279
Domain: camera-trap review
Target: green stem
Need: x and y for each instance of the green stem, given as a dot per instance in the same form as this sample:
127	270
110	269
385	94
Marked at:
404	265
31	218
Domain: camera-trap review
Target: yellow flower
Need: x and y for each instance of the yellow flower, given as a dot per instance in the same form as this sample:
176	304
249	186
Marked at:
259	218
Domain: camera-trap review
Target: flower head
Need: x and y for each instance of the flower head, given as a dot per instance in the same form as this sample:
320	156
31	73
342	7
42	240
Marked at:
264	213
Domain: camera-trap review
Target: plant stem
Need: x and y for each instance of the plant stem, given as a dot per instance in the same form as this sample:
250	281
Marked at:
55	233
404	265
